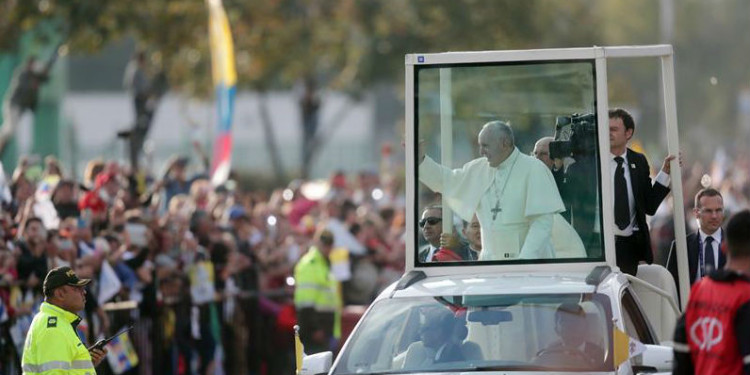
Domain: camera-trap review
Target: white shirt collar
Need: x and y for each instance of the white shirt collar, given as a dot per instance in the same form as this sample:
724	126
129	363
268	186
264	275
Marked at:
716	235
624	156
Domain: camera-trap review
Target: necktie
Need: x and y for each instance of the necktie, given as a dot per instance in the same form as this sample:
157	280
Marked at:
622	208
708	249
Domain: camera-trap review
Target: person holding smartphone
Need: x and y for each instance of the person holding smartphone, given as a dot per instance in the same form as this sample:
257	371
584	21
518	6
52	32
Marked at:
51	344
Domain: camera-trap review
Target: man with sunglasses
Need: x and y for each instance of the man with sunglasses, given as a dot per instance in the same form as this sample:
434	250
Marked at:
431	225
52	345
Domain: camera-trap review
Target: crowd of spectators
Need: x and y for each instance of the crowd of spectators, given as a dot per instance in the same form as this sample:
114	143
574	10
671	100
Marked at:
203	271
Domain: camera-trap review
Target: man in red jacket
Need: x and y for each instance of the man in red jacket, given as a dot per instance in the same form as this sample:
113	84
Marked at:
713	336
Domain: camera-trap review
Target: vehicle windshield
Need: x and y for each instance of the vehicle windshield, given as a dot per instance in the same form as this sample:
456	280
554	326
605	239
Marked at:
512	151
528	332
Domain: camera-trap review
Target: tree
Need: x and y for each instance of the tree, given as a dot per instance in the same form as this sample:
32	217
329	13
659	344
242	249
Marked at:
316	46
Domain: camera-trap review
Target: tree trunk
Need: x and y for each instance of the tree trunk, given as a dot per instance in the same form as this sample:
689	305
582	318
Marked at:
310	105
325	133
270	138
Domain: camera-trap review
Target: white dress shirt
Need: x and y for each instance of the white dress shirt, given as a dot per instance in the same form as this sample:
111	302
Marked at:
430	253
661	178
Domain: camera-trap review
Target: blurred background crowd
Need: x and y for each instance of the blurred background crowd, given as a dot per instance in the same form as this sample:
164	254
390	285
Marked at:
204	272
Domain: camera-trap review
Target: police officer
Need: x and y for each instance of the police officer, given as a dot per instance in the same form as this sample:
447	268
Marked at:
52	345
713	336
315	295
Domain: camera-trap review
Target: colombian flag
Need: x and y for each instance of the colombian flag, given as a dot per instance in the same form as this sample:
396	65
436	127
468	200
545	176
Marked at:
225	80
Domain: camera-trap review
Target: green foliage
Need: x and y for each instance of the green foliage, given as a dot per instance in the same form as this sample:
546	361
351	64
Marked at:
347	45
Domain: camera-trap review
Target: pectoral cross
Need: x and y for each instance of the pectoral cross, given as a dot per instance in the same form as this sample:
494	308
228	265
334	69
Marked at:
496	210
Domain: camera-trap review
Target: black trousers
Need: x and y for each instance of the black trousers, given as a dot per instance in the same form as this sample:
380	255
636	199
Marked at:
630	251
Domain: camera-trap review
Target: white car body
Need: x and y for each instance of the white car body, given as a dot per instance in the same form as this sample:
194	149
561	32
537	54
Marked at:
615	286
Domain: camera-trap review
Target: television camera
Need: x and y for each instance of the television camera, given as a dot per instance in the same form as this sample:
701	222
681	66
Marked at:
575	136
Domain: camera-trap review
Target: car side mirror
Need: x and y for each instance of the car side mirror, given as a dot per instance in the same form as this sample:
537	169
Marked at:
318	363
655	359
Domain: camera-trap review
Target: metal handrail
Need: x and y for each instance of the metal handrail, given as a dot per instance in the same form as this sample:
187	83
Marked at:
656	290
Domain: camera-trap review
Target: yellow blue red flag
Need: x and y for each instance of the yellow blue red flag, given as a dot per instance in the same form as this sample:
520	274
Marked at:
225	80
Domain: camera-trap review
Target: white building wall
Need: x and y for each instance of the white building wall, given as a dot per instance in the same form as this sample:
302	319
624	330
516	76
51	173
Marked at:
96	118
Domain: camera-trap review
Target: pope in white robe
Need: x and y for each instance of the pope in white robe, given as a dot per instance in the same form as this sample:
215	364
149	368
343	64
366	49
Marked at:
514	196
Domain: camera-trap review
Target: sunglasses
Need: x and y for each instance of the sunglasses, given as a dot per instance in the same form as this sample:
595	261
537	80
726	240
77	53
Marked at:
429	220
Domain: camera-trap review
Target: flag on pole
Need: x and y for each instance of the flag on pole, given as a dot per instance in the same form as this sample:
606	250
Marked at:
625	347
299	350
225	80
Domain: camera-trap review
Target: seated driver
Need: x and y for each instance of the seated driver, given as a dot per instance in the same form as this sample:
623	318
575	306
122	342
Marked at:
571	349
436	345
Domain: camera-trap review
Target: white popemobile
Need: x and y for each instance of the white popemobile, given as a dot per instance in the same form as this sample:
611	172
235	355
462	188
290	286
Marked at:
544	295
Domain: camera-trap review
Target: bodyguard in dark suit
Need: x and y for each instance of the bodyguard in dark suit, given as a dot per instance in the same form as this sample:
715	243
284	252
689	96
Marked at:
635	195
431	225
704	246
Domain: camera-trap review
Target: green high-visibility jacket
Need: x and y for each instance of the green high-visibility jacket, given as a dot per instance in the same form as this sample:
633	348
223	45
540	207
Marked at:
314	285
52	346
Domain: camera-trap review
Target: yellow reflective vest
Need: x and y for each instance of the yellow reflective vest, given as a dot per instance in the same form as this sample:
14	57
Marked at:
314	285
52	346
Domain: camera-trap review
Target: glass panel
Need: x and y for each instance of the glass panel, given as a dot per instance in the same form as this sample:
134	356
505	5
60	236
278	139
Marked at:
495	332
522	181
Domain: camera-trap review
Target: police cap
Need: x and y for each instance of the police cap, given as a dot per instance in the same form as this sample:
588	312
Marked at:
60	276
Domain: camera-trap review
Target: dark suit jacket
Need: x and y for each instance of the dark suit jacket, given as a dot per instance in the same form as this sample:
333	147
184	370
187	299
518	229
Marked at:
648	196
423	251
693	248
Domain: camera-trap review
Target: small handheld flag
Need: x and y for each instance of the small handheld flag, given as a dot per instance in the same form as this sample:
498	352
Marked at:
626	347
299	350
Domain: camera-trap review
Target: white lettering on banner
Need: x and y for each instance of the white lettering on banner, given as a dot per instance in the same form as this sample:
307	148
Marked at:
706	332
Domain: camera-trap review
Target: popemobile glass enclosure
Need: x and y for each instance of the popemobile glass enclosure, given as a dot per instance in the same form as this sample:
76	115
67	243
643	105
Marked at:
523	278
506	150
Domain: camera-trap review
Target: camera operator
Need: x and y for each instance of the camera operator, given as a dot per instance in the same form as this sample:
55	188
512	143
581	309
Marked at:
575	138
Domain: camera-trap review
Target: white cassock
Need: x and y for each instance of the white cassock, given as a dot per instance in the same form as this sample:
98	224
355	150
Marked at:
565	240
515	202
